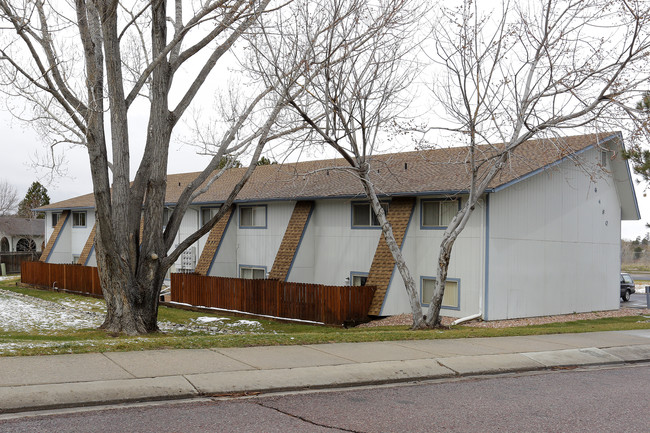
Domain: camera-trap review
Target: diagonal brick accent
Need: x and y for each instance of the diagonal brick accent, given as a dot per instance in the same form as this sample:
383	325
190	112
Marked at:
383	263
55	235
85	253
212	244
291	240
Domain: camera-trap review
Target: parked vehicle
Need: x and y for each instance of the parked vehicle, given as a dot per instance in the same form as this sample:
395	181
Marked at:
627	287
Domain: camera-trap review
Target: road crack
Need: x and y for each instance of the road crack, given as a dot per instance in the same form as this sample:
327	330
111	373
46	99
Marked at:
308	421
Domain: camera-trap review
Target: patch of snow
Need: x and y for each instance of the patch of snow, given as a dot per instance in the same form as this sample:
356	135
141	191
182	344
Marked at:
205	319
250	323
20	313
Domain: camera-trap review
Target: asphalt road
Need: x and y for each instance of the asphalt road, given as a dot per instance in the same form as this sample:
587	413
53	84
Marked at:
591	400
637	300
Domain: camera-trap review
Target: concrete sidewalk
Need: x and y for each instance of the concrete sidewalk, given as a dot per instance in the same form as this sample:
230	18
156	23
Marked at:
41	382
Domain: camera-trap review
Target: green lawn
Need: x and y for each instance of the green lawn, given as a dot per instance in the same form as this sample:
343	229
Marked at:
39	342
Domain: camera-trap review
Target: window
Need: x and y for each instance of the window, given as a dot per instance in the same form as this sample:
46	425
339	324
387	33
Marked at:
207	213
25	245
55	219
603	158
252	216
451	297
438	213
358	279
78	219
364	216
252	273
167	214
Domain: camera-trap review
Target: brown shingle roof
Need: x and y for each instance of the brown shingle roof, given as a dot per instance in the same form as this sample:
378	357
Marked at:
407	173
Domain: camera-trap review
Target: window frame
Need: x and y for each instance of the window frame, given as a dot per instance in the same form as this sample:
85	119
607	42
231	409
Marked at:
355	274
439	201
58	218
167	215
603	158
207	208
254	268
253	206
85	219
371	217
443	306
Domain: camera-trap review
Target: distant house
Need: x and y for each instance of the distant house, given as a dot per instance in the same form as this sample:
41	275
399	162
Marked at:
544	239
21	234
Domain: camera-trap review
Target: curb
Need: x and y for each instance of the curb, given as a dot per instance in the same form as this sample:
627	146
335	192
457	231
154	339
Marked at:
229	383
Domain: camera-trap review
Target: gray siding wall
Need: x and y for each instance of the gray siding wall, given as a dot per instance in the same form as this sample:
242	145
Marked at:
554	243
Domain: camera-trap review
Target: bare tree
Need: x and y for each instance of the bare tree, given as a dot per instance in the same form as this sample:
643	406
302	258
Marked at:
8	198
86	66
530	69
355	78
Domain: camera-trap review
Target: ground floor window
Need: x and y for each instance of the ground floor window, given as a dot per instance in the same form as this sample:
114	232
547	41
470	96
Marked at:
358	278
4	245
26	245
252	272
451	297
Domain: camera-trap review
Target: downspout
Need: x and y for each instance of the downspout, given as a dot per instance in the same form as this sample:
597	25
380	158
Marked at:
485	261
473	316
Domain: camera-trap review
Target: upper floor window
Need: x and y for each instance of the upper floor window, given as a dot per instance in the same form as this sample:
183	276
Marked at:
207	213
364	216
167	214
252	216
78	219
55	219
438	213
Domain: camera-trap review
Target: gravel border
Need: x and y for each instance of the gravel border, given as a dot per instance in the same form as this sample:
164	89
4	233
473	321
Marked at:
407	319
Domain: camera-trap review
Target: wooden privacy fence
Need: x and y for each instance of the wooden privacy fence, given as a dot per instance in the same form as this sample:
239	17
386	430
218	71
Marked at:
13	260
75	278
332	305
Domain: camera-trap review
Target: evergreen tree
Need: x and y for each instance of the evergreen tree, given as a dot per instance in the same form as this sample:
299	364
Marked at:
641	157
36	197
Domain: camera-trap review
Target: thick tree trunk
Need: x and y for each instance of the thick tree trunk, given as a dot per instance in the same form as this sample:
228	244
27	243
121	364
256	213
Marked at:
131	300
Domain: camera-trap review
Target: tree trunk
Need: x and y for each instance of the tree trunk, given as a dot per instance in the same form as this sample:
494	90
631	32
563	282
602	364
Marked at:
131	300
387	230
454	229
